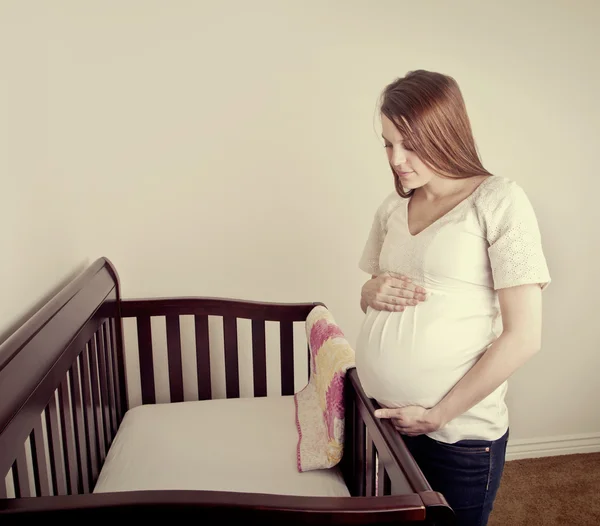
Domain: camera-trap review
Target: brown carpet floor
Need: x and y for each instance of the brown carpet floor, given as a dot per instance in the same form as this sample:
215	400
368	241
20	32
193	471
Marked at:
561	490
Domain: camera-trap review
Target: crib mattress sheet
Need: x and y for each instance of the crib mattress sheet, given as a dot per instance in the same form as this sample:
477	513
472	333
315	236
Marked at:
246	444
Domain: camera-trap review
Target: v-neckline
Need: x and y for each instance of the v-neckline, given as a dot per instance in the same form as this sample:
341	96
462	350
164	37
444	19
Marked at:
454	208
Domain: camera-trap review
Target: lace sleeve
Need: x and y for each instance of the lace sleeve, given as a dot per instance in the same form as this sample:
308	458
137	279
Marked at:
369	261
516	253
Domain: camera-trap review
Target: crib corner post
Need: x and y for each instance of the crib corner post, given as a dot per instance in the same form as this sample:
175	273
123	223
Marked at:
117	329
353	460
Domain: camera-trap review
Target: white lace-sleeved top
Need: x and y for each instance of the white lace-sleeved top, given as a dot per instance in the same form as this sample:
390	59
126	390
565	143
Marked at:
489	241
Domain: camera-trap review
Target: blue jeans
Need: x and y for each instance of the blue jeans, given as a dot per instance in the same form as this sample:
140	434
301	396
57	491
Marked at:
467	473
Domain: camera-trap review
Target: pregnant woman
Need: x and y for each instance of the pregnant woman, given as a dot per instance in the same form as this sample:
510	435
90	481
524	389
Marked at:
453	305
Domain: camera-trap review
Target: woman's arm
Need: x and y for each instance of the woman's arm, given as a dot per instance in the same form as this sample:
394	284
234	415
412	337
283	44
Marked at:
521	308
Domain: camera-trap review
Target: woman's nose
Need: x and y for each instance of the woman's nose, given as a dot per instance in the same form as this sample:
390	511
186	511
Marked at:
398	157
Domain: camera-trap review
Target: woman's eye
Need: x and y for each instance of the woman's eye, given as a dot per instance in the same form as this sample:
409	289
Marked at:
388	146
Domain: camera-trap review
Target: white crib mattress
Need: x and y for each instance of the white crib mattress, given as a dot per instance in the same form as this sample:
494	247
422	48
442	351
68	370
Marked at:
246	445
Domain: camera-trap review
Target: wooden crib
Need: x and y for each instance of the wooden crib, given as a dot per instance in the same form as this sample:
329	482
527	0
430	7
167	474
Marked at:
74	445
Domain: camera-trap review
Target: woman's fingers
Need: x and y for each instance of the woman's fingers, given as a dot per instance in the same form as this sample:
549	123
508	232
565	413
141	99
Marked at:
401	284
396	292
400	281
406	292
396	300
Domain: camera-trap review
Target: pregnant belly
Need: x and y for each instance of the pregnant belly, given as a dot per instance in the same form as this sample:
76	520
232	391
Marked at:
417	356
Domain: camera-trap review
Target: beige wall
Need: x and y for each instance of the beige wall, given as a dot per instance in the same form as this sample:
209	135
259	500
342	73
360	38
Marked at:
230	149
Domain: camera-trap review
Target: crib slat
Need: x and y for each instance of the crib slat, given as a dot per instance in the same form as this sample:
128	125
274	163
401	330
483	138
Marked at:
370	468
80	432
55	448
174	358
384	484
259	358
232	373
119	373
66	422
88	416
203	357
21	475
112	396
38	457
347	461
96	401
360	451
102	373
286	337
146	361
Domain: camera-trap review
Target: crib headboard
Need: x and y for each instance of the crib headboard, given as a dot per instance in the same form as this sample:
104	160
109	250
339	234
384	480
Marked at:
58	373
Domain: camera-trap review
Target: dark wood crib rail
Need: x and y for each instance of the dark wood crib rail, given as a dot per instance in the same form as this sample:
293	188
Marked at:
213	507
229	311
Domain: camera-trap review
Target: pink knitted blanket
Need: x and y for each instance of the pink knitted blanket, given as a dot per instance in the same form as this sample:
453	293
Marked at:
320	405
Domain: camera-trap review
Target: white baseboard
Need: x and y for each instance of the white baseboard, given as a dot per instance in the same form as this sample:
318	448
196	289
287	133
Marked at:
552	446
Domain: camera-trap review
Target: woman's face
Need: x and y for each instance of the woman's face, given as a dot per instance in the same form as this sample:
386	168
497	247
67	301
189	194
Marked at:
413	173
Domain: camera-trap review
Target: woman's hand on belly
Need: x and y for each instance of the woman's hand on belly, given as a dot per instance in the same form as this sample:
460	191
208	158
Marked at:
391	292
411	420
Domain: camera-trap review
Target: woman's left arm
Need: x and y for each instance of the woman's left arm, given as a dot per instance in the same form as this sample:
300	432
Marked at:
521	308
